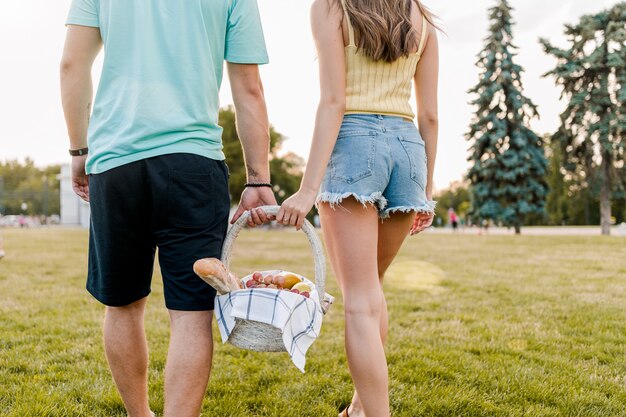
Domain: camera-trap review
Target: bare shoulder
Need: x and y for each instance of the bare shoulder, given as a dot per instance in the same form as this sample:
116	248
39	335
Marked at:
417	21
324	10
326	17
431	34
319	8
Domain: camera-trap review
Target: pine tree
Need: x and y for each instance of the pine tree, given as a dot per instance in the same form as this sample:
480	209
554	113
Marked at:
508	160
592	74
556	200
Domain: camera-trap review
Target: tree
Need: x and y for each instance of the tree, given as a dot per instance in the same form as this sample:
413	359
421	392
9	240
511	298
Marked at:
508	161
456	196
570	200
286	170
592	75
557	198
25	183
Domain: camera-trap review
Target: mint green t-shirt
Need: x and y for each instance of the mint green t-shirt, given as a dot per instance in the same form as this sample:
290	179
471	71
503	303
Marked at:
162	71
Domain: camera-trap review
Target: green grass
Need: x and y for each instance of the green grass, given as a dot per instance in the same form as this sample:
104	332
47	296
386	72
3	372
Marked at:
480	326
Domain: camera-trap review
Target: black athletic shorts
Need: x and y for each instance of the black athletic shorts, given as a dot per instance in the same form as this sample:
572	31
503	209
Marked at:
178	203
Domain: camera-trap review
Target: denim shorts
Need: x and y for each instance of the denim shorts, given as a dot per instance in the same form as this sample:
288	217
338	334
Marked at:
378	160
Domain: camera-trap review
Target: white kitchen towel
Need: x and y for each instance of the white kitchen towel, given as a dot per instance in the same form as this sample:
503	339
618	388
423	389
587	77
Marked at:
299	318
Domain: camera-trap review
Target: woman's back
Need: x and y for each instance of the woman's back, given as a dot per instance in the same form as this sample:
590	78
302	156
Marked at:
378	86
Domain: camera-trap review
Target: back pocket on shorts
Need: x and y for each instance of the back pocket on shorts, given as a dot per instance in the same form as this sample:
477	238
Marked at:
353	158
416	153
190	199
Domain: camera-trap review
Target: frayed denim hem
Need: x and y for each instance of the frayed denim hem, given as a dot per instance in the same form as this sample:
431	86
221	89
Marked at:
428	207
376	199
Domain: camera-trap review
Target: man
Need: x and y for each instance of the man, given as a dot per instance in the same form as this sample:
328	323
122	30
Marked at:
154	172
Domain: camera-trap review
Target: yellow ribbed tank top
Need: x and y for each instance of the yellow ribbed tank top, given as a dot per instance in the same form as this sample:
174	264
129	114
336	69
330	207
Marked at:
379	87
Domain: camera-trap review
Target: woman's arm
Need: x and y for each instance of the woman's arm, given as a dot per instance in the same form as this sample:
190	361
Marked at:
426	90
326	21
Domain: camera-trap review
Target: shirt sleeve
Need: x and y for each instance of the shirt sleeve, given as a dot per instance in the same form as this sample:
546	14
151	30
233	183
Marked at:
84	13
245	43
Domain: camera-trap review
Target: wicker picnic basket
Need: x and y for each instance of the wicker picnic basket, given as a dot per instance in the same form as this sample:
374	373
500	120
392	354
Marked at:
263	337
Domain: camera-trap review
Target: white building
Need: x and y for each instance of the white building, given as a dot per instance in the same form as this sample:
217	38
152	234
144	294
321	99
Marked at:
74	211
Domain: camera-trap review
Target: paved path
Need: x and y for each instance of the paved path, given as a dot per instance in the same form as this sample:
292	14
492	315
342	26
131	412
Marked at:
539	231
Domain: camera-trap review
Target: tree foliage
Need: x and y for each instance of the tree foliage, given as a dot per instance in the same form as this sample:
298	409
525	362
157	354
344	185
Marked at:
557	199
286	170
508	161
570	200
25	183
456	197
592	74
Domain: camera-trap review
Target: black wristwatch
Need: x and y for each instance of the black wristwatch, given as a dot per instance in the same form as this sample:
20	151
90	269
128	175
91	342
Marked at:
79	152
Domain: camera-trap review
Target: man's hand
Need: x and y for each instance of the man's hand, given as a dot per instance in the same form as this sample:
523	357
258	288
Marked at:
251	198
422	222
80	180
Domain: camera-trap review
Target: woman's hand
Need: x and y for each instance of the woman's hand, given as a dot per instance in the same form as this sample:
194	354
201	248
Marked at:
293	211
422	222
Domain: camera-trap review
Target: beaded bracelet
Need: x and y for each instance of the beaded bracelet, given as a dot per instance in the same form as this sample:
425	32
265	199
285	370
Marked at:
258	184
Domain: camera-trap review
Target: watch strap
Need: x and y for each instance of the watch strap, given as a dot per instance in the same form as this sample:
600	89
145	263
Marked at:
79	152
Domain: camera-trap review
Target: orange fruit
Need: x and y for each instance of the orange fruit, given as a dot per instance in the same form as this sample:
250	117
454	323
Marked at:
290	280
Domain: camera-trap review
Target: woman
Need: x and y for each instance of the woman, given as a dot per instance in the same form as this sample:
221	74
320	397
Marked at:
374	168
1	247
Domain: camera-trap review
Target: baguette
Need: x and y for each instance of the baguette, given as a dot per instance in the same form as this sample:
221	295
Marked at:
213	272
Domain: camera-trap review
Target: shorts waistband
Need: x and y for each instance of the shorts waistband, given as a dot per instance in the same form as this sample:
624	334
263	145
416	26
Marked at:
377	122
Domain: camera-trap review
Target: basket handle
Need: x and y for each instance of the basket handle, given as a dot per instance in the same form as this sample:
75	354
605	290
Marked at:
307	228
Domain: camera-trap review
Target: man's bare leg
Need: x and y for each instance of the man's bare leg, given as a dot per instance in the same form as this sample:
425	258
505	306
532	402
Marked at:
188	362
126	350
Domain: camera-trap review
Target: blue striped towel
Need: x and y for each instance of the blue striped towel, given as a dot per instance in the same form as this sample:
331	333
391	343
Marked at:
299	318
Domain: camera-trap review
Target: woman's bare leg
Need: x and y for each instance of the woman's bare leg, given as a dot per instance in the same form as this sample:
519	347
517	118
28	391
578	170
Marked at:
391	234
351	235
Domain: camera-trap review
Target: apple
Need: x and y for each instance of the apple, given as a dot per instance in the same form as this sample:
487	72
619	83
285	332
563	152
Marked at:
302	287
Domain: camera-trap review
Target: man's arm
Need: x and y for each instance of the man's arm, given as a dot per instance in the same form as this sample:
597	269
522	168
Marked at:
82	45
253	131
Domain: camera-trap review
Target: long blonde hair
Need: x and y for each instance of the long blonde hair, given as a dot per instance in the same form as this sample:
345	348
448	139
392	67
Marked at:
383	28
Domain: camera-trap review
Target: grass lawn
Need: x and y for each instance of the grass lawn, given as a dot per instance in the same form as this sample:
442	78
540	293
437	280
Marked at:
480	326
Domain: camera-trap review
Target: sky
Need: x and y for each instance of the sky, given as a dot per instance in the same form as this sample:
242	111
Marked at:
32	34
